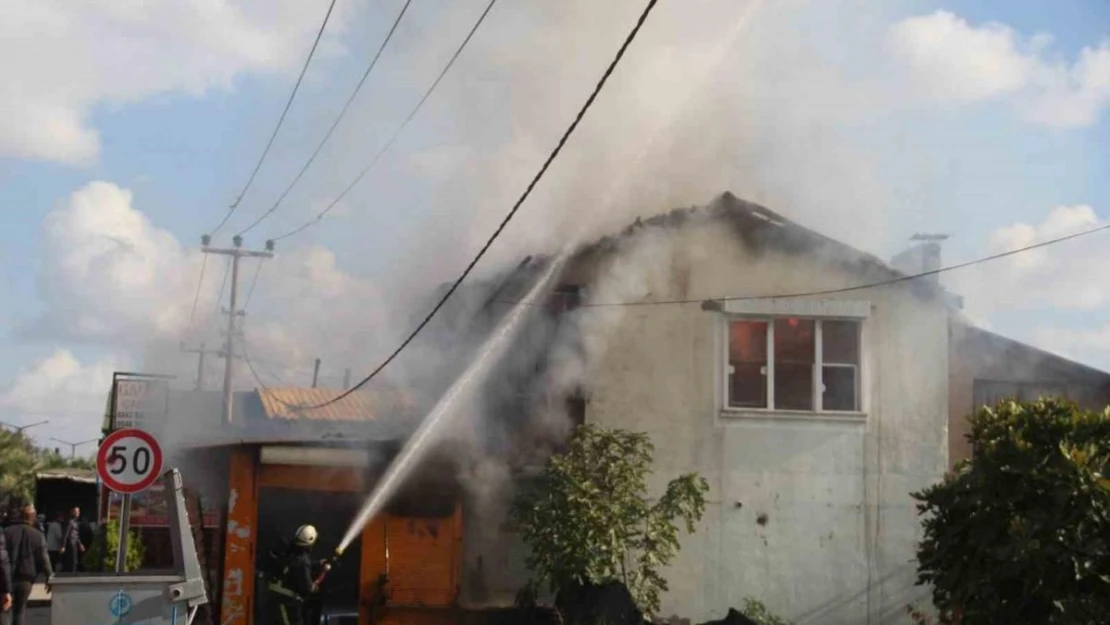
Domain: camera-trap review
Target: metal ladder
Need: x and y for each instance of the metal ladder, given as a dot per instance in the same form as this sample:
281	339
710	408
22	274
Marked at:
204	617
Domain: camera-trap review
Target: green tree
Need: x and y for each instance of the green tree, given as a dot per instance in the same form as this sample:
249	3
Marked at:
98	558
587	519
20	460
1019	534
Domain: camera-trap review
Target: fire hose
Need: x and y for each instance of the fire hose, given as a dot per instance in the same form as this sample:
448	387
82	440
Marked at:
326	566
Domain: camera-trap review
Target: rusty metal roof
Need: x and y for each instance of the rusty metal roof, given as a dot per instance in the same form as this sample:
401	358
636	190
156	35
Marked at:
295	403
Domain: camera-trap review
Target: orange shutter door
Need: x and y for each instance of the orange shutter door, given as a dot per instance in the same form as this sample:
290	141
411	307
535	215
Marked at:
423	560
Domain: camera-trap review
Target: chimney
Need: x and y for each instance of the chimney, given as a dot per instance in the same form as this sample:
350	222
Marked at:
922	257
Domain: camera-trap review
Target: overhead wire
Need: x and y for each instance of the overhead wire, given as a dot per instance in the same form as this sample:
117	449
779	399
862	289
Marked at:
847	289
334	124
223	287
864	286
254	283
296	86
508	217
393	139
196	296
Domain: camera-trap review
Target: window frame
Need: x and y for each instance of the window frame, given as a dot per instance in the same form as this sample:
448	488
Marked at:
819	311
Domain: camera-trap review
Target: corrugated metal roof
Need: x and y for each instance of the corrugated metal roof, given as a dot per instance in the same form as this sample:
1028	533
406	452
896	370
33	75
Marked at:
84	476
286	403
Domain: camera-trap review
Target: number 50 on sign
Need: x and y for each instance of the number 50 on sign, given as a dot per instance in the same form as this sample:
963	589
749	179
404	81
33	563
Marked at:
129	461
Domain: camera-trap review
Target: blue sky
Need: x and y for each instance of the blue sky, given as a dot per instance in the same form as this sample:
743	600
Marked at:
1006	134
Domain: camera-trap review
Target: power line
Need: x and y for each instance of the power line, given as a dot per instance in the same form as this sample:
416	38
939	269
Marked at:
508	217
847	289
284	112
223	287
196	296
254	283
334	124
400	129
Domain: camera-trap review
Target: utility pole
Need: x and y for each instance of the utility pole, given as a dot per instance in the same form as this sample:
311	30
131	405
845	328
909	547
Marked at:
73	446
235	253
19	428
201	352
316	373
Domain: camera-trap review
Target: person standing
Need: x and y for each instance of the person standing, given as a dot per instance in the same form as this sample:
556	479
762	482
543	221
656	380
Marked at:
27	551
72	548
5	575
290	579
54	534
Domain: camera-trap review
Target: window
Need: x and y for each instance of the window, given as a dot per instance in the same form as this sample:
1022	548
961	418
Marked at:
794	363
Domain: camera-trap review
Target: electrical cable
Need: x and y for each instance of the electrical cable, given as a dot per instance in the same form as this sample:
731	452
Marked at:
223	287
254	283
334	124
508	217
400	129
196	296
847	289
858	287
284	112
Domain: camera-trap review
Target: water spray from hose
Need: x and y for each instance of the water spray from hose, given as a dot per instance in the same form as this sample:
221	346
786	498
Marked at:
424	437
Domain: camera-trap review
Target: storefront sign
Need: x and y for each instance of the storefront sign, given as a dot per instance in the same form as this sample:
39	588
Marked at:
139	402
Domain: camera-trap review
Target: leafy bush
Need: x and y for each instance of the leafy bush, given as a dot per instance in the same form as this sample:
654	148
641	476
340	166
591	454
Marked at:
1019	534
587	519
94	561
756	611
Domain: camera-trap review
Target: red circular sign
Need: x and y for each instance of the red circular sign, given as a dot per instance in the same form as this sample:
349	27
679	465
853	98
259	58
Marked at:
129	461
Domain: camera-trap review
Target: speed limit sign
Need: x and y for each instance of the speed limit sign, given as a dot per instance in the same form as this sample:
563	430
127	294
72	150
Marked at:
129	461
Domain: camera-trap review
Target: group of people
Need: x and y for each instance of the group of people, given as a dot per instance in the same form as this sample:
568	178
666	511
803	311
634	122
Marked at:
27	553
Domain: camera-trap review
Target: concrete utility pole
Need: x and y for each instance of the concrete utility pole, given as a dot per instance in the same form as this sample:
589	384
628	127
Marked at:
73	446
316	373
19	428
201	352
232	312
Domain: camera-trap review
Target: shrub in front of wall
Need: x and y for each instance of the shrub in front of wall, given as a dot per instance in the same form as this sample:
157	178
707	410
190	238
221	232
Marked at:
588	522
1020	533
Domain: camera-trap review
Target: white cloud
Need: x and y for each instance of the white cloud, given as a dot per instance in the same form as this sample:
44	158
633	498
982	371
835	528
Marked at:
67	56
1068	275
59	388
113	279
109	274
956	63
1087	345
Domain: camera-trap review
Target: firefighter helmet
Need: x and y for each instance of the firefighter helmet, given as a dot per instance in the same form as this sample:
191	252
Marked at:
305	536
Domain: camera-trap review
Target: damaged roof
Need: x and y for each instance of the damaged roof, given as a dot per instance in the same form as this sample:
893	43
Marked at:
759	227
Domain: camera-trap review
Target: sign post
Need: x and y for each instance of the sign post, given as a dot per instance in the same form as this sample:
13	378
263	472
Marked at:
128	461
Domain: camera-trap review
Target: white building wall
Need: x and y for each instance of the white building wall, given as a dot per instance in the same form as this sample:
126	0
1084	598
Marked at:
838	542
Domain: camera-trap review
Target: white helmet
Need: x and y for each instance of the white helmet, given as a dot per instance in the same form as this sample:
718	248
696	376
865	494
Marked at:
306	536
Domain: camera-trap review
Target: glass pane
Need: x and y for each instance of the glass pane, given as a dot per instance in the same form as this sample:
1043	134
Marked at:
840	388
840	342
793	386
747	359
794	355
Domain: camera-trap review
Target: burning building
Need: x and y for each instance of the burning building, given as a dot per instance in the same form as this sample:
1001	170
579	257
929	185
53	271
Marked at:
741	342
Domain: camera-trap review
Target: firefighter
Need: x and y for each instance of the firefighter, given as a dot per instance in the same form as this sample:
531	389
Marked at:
290	583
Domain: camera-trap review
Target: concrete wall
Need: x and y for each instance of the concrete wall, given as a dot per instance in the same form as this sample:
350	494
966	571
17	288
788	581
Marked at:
980	355
838	538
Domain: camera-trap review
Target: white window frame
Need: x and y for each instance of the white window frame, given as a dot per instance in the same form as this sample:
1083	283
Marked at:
818	310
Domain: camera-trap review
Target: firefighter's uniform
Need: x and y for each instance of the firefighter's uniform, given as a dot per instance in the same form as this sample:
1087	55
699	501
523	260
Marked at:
290	583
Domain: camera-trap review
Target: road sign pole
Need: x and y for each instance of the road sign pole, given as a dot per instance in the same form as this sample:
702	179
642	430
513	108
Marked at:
124	533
